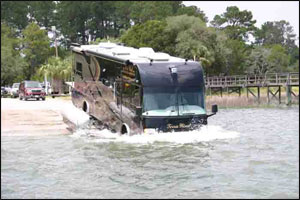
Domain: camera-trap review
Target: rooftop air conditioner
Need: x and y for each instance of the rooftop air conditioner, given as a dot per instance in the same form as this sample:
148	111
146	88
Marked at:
159	57
107	45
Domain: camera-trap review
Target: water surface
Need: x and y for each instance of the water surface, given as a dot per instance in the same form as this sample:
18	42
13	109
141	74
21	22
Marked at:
242	153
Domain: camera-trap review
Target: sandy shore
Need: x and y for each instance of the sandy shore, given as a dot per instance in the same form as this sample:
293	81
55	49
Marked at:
33	117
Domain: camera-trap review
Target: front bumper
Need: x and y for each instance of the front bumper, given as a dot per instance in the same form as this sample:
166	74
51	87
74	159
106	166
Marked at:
34	96
15	94
167	124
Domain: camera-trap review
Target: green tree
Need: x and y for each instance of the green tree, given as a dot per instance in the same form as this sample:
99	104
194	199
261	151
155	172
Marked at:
190	38
36	48
14	13
294	59
188	45
277	32
43	13
149	34
177	24
192	11
258	62
74	20
12	63
122	15
237	57
279	58
263	60
142	11
222	55
58	70
103	20
237	24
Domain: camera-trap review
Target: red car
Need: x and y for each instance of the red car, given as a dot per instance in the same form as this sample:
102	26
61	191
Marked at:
31	89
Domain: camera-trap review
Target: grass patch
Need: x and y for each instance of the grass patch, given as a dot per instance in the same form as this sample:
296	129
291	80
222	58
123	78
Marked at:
234	101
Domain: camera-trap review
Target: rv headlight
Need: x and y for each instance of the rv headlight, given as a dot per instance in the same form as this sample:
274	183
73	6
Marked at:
149	130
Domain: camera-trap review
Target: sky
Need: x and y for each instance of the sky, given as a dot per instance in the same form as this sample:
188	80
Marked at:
262	11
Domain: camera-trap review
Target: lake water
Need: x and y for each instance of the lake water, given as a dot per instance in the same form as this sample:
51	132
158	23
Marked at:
242	153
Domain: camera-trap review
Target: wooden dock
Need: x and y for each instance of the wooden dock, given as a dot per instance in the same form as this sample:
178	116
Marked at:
234	84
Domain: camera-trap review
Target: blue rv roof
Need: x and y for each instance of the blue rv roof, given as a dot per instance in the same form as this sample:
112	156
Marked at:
160	74
154	67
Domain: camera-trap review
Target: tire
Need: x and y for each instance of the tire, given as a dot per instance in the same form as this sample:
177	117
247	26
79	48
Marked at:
20	97
25	99
43	99
85	107
125	129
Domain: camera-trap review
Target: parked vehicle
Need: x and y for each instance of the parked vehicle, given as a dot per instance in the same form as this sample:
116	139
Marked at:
31	89
48	90
3	91
134	91
14	92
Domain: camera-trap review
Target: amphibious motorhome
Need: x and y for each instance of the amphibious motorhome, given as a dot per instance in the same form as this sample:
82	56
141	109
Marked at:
135	91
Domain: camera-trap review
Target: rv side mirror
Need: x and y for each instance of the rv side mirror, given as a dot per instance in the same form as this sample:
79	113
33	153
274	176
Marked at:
214	108
138	111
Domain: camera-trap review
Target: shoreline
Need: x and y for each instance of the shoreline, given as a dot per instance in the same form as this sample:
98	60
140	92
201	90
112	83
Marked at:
244	102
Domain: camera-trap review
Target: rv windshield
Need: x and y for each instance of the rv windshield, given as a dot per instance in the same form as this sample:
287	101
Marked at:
173	101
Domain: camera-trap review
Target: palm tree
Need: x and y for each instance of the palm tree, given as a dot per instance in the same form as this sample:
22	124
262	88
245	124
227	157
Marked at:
59	70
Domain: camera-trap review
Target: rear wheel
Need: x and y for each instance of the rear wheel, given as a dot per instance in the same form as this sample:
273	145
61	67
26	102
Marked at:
85	107
43	98
20	97
125	129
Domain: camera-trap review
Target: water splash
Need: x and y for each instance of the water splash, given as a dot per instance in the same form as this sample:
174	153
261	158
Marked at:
206	133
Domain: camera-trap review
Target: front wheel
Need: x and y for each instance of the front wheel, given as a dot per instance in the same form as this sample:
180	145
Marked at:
20	97
43	99
125	129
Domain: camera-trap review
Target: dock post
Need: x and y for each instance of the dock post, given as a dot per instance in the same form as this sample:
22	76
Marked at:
288	95
279	94
268	94
258	94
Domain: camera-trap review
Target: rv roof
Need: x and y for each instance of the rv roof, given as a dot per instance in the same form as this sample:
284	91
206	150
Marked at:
141	55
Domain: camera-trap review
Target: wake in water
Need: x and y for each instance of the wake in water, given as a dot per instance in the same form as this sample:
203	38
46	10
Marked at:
84	128
206	133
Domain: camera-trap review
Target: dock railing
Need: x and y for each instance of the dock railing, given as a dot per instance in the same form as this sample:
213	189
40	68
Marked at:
270	79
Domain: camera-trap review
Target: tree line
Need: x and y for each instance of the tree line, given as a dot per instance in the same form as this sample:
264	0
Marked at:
222	46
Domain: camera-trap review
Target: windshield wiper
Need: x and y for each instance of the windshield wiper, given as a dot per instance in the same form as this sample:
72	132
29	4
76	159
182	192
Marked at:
188	113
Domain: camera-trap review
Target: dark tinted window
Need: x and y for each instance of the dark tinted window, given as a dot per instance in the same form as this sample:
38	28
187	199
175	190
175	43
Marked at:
171	101
78	68
32	84
130	95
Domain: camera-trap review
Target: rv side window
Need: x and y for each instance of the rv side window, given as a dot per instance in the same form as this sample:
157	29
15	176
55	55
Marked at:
109	71
79	68
131	95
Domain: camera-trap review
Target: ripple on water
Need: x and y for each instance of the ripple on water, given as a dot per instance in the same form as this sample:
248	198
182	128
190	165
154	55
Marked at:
242	153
